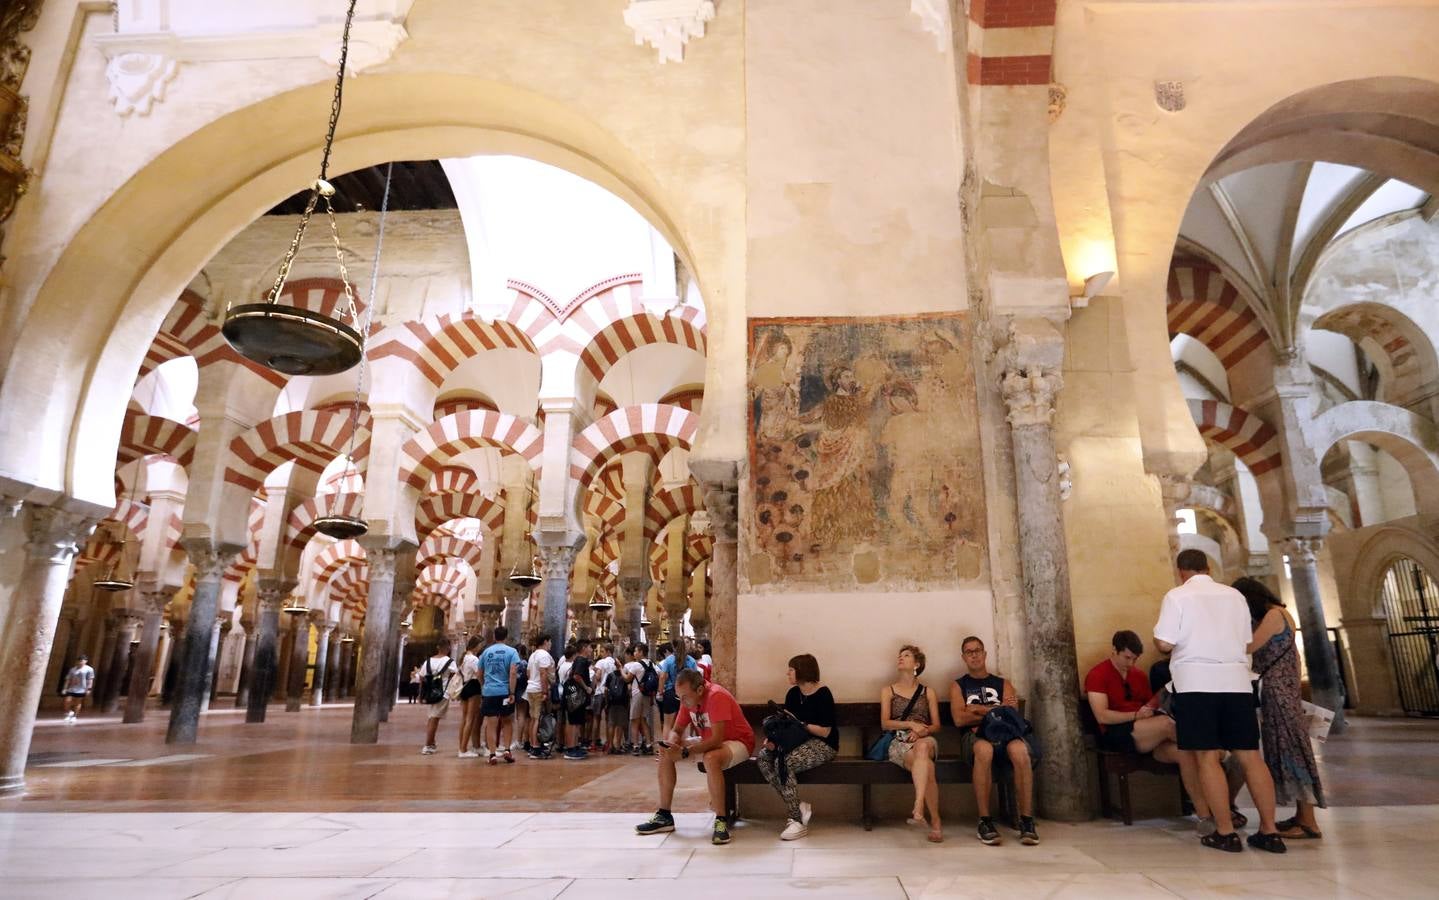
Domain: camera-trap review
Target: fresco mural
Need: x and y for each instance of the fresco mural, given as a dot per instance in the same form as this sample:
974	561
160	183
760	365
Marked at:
865	467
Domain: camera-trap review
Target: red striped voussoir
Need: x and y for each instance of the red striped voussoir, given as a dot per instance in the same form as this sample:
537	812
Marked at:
436	347
609	511
312	439
653	428
1011	42
133	514
143	435
1209	308
1244	434
437	509
300	527
337	556
423	454
667	505
448	546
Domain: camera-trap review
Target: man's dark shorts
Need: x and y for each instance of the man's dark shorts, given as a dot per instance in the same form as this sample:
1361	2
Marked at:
968	739
496	707
1118	738
1204	721
578	716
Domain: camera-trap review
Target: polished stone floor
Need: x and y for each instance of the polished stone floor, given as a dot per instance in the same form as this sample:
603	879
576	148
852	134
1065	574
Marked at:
291	809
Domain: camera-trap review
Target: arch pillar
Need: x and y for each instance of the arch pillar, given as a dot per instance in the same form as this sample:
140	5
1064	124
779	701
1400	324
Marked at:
192	678
720	479
153	599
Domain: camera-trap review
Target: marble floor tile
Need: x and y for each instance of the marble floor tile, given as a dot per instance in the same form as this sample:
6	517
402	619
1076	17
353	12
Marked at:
299	889
267	820
101	821
159	838
486	889
474	838
741	859
617	821
1414	880
1197	857
722	888
51	887
1057	886
389	821
950	858
1259	883
99	863
303	862
519	863
605	838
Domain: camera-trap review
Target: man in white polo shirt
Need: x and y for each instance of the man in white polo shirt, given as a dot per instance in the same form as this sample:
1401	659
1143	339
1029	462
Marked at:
1206	628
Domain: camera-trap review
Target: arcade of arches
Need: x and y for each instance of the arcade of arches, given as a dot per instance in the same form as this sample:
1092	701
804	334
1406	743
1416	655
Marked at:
799	325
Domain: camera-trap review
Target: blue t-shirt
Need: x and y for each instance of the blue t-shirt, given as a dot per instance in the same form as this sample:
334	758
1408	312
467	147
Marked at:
668	667
495	663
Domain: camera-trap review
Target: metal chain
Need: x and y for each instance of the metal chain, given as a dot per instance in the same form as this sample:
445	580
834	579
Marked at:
364	327
115	15
321	187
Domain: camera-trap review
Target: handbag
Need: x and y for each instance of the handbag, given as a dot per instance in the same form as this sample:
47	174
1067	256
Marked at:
879	750
783	729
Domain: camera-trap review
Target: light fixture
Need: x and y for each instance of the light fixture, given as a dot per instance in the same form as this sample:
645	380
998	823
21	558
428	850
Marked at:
341	527
288	339
644	617
347	639
294	606
1092	286
522	580
600	602
112	581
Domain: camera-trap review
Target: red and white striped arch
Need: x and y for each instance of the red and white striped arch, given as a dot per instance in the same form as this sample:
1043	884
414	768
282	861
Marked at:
187	332
462	401
143	435
174	531
665	506
437	509
427	452
686	396
441	584
300	527
436	347
245	562
132	514
609	511
325	296
453	479
351	587
616	329
1208	307
439	546
335	557
311	439
1242	433
652	428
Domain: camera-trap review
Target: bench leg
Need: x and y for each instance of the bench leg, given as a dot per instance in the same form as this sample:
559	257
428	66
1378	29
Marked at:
867	817
1128	810
1106	807
731	800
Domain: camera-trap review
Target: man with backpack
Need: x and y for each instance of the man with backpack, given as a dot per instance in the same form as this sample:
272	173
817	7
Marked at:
986	710
541	672
644	682
575	698
617	702
670	668
436	677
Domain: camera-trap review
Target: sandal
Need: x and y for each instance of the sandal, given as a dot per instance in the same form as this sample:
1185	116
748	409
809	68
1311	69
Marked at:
1271	843
509	757
1297	831
1286	824
1229	843
1238	818
936	836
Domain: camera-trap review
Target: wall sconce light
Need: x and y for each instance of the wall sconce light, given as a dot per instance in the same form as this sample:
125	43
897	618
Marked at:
1092	286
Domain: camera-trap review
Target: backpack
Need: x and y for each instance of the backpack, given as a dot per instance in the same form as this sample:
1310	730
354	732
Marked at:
650	680
432	685
575	698
545	731
616	691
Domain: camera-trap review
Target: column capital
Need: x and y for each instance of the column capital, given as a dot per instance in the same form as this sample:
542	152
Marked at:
1301	550
1029	395
720	479
210	560
381	560
56	534
155	600
558	560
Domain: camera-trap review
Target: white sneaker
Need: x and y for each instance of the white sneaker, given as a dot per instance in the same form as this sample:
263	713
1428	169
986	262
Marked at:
468	754
793	831
427	750
515	745
484	748
805	812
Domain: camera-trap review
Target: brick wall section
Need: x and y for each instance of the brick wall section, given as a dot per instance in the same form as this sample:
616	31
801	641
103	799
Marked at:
1008	70
1012	13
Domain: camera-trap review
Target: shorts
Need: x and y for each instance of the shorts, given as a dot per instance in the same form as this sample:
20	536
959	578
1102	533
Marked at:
496	707
738	753
1205	721
899	749
1118	738
438	710
641	707
669	704
969	738
579	716
74	693
471	689
536	702
619	715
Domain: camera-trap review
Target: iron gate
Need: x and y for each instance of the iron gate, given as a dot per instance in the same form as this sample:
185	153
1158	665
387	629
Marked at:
1411	604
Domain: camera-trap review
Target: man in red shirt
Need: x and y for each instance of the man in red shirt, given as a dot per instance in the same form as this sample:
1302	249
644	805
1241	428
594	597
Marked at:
725	741
1118	694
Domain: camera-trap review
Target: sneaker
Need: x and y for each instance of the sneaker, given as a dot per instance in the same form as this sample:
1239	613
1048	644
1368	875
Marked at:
793	831
575	753
1027	834
468	754
514	745
509	758
494	759
1229	843
988	834
1271	843
659	823
1204	826
535	753
805	812
427	750
484	748
722	835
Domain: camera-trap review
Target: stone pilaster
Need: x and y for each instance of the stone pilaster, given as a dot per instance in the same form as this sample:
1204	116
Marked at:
272	596
1323	668
34	608
721	483
192	679
153	603
1029	392
557	561
373	684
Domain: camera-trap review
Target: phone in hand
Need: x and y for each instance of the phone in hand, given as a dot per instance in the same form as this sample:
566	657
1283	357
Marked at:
665	744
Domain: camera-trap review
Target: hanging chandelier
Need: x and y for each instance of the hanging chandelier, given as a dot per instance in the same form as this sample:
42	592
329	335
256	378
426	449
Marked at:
112	581
600	602
288	339
294	606
526	581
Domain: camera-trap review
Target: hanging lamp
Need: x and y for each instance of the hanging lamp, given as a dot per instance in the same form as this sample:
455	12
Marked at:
294	606
526	581
113	582
337	525
288	339
600	602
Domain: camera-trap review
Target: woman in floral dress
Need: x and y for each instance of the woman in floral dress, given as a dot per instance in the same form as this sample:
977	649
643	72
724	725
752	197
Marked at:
1283	732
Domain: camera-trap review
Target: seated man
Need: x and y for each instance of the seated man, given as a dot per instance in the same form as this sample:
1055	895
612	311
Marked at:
725	741
1119	695
972	696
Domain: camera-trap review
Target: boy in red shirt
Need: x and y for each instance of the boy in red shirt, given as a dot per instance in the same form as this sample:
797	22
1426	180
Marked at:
1118	693
725	741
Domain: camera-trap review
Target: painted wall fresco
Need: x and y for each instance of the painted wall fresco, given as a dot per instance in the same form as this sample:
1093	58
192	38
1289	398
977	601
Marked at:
865	465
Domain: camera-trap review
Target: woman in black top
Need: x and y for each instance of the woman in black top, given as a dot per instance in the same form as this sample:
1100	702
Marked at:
813	704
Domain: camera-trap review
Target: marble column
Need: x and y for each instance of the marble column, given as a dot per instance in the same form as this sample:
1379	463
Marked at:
103	660
395	646
192	680
323	630
557	564
342	678
334	689
1325	686
1052	706
54	537
633	591
119	662
721	482
217	645
401	676
142	671
247	665
60	651
267	638
373	686
515	600
299	660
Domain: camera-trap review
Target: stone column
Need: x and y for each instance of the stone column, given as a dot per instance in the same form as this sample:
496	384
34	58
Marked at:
103	660
119	662
61	651
347	652
721	482
323	630
34	608
633	592
1323	669
272	596
515	600
395	645
371	697
217	645
401	676
557	562
192	679
299	659
334	688
143	669
1029	394
247	666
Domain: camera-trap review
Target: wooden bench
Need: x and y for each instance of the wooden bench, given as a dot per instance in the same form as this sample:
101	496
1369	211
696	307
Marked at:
1121	765
860	771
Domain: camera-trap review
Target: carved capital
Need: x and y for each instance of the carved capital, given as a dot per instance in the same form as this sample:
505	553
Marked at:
636	587
382	563
272	594
56	535
210	560
557	561
156	601
1029	395
667	25
1301	550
